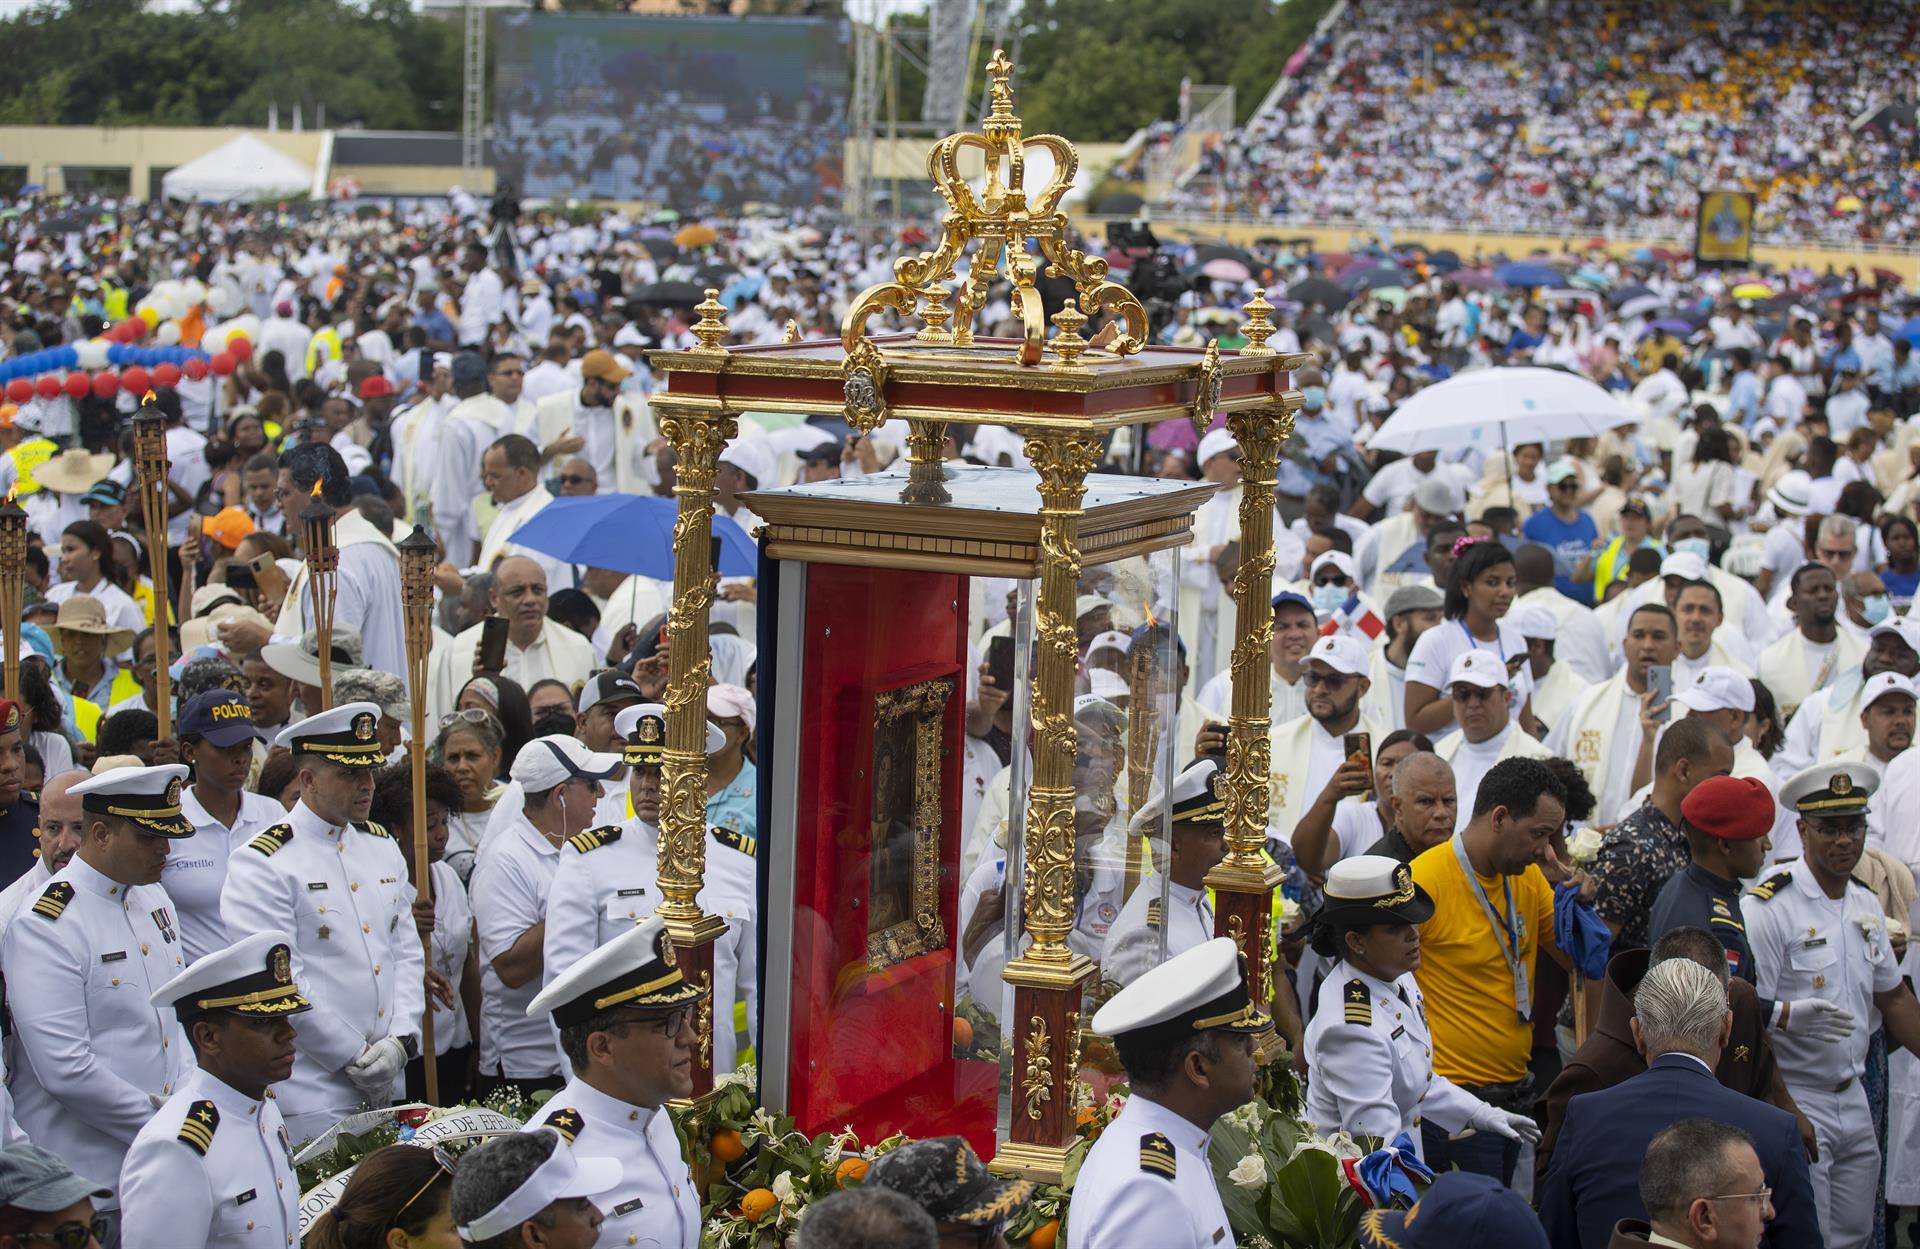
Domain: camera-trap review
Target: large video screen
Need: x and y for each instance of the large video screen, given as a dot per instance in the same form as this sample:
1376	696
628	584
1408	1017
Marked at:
695	113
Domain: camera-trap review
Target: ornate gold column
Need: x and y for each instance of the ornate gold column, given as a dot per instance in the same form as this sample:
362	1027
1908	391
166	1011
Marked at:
1047	978
1244	881
697	437
926	463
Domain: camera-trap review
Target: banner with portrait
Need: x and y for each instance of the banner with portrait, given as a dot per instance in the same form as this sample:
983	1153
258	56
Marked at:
1723	232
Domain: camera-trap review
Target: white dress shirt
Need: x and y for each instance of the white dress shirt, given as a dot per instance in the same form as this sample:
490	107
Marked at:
509	895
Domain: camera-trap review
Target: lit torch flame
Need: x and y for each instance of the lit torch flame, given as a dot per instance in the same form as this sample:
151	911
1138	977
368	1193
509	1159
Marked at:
1146	609
149	397
315	492
12	490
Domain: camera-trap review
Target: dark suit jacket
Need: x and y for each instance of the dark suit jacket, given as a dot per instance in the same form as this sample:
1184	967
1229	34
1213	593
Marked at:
1609	1056
1594	1181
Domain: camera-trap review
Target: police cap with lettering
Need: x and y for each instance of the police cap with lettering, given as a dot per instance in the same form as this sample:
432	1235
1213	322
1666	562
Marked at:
219	718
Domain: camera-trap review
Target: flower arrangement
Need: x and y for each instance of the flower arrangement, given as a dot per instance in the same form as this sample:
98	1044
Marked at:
1283	1185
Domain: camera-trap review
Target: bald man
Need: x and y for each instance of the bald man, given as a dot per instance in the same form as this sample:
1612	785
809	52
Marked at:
59	831
537	648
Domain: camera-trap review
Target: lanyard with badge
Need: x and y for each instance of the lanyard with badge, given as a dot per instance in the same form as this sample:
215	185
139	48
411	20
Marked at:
1511	928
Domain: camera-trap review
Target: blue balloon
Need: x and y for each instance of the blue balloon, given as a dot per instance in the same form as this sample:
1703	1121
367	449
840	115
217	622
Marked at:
67	358
117	353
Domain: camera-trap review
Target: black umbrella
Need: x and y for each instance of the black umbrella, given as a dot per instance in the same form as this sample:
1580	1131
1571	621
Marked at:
1201	255
1444	260
1621	294
668	293
1120	204
659	248
716	274
1376	279
1317	327
1318	291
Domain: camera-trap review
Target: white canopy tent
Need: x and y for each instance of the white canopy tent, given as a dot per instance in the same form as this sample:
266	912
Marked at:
245	168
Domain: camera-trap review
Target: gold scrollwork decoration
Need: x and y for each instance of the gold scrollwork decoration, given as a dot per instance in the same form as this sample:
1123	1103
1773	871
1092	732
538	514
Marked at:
863	387
703	1022
1037	1085
1206	392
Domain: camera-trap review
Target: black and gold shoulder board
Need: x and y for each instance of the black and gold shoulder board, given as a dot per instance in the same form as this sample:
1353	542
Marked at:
735	840
54	901
566	1122
1153	912
197	1132
1156	1155
594	838
1357	1002
1771	885
376	830
273	840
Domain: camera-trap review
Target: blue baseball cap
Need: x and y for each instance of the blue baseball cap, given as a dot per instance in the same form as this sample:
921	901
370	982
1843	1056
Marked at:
220	718
1460	1209
1288	596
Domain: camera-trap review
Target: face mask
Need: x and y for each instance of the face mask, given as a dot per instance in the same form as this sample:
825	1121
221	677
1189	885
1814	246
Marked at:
1693	546
1876	608
1315	396
1329	597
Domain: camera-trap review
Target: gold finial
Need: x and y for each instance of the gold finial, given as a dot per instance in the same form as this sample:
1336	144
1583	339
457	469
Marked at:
1258	329
793	331
1067	344
711	329
1000	90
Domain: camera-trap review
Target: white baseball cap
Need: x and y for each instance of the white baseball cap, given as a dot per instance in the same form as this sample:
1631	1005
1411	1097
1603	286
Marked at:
1340	652
1481	668
1111	640
1906	627
1684	564
1880	685
1718	689
1214	444
1339	559
1535	621
555	759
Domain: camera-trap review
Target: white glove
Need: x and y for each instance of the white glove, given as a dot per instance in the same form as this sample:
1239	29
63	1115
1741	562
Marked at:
1817	1019
1505	1123
374	1072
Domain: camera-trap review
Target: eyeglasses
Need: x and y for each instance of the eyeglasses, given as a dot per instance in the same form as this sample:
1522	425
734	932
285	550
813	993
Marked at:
1332	680
1763	1196
1336	579
1836	830
1473	693
574	479
444	1161
669	1025
72	1235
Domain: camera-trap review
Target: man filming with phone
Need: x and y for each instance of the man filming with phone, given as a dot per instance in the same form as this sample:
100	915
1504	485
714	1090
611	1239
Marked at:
534	648
1609	729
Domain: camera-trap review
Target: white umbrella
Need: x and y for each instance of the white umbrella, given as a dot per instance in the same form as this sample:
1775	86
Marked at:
1518	405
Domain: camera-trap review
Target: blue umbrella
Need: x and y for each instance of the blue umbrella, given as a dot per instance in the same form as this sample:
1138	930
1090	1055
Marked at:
1522	273
1910	331
628	533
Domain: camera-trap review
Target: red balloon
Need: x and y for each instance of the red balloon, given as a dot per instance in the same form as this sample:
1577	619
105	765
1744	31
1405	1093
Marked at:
195	367
166	375
133	328
48	387
135	381
19	390
106	384
223	364
240	349
79	385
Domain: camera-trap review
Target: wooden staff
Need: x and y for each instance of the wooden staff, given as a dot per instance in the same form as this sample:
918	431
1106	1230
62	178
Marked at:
150	454
13	572
416	593
323	561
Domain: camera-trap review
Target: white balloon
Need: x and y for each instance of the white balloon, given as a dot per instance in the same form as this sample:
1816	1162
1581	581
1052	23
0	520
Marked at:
168	334
195	290
92	354
218	298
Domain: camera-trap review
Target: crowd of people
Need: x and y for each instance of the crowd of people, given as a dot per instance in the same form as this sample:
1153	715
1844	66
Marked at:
1597	117
1590	767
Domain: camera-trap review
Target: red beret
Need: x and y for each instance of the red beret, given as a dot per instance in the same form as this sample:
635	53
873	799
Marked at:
1732	808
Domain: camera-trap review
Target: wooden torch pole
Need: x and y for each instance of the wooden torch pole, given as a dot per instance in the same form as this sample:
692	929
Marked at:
416	593
323	560
13	572
150	455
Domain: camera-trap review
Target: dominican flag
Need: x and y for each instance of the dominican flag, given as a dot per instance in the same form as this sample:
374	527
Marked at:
1353	616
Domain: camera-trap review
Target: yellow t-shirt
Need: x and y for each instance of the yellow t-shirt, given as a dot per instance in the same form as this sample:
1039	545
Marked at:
1478	1037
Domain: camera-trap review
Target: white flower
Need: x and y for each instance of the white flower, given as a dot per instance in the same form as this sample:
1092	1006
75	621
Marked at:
1584	846
1340	1145
1871	923
783	1186
1247	1116
1289	910
1249	1172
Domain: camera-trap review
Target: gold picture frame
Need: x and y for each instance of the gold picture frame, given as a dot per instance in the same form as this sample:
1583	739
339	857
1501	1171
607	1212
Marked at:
904	822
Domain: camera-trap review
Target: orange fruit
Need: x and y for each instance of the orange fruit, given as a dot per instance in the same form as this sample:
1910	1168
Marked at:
850	1170
962	1032
1085	1117
1044	1235
758	1204
726	1146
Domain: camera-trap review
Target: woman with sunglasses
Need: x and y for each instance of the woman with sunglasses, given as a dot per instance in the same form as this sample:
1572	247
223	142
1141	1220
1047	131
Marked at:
471	747
86	566
397	1199
52	1208
1480	589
